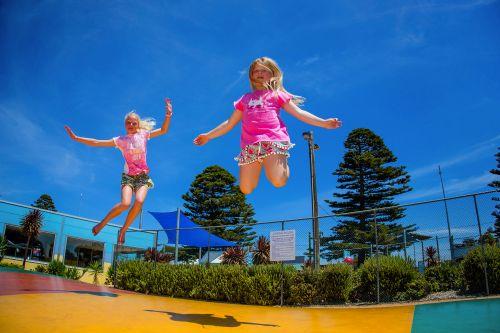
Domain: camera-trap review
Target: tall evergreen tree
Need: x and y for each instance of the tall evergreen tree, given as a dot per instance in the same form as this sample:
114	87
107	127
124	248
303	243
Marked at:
496	185
45	202
214	199
367	180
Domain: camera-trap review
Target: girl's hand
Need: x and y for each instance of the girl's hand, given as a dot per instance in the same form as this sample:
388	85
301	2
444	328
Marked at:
70	132
168	108
201	139
332	123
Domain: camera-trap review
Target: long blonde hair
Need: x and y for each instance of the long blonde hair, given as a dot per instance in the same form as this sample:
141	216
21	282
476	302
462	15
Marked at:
146	124
276	82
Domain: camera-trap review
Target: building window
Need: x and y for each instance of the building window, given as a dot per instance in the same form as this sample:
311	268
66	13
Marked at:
40	249
82	252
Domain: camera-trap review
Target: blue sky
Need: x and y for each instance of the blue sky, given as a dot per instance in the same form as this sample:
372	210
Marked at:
423	75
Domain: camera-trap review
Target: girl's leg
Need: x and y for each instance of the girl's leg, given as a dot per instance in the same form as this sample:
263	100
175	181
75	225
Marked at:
117	209
140	196
249	176
277	170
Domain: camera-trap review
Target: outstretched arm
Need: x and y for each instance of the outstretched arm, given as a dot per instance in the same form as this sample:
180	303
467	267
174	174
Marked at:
311	119
166	121
222	129
89	141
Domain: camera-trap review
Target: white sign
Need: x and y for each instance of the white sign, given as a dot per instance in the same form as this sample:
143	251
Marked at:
282	245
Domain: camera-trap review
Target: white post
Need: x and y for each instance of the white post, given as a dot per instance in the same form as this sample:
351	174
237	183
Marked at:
177	235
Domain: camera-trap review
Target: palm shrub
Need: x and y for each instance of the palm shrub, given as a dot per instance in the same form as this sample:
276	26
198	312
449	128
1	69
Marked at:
444	276
154	255
95	268
30	226
234	256
74	273
395	274
261	254
473	269
430	251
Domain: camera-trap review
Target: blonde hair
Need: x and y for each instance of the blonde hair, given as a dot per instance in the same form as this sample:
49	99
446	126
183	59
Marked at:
146	124
276	82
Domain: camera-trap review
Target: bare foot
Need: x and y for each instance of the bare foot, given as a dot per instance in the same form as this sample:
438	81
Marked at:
121	237
96	229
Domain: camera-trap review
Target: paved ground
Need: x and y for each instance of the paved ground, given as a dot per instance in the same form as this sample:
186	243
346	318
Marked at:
41	303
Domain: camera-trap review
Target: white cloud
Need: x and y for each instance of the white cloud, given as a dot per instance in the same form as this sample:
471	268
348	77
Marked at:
241	74
36	146
308	61
453	187
480	149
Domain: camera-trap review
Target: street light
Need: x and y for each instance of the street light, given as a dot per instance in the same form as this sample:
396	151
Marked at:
308	136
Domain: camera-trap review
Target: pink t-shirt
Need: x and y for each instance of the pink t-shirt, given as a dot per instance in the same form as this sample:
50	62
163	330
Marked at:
261	116
133	148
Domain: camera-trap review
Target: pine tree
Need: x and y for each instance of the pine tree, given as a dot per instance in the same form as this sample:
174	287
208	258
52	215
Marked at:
214	199
45	202
367	180
496	185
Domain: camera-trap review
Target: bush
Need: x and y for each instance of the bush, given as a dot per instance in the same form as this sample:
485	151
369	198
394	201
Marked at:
303	288
229	283
74	273
41	268
416	289
56	267
335	283
473	270
395	276
444	276
3	246
110	275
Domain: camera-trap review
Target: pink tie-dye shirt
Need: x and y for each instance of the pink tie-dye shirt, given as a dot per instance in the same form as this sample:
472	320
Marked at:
261	116
133	148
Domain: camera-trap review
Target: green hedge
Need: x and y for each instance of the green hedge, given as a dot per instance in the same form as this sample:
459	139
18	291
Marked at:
260	284
473	270
339	283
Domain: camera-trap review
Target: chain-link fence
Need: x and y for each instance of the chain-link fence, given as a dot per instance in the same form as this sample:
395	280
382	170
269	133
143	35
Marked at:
425	233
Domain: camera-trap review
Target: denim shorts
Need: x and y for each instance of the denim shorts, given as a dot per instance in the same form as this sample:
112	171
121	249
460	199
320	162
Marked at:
258	151
137	181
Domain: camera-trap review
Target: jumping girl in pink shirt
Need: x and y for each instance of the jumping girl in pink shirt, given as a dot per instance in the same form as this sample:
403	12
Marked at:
264	137
135	178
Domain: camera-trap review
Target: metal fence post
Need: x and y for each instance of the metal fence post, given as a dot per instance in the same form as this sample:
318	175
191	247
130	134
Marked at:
423	253
282	270
404	241
176	260
376	255
208	253
156	247
437	247
482	246
115	258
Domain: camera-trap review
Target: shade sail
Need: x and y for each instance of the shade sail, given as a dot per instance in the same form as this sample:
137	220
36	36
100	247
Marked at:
188	237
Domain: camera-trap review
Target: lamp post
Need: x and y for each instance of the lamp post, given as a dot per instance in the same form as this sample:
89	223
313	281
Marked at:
308	136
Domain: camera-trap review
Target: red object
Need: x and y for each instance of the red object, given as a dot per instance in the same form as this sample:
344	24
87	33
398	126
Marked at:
348	260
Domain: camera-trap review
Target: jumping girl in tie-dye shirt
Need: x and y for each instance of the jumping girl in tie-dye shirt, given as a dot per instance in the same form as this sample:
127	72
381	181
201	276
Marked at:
135	176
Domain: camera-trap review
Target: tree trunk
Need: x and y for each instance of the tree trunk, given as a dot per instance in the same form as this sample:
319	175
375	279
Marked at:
26	252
